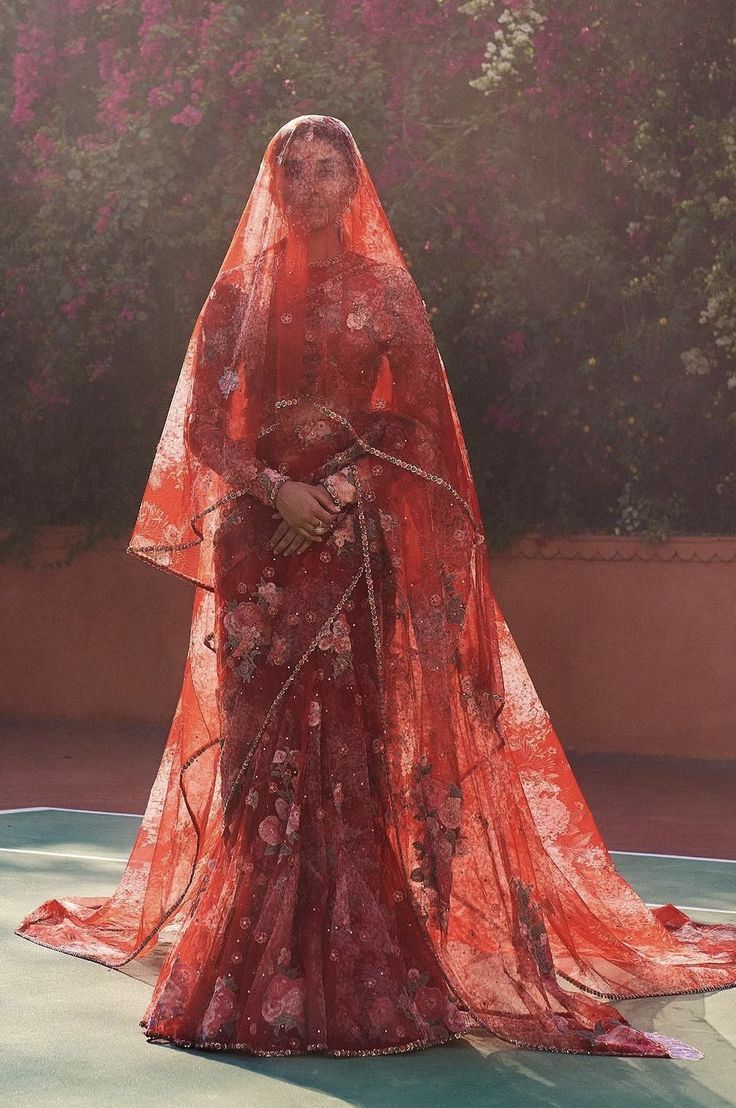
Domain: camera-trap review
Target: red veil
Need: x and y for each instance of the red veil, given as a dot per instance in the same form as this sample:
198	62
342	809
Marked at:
490	846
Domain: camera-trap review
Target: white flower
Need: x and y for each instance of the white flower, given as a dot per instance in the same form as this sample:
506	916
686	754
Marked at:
227	382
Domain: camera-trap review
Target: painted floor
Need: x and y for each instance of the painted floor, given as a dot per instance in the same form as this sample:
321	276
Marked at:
70	1032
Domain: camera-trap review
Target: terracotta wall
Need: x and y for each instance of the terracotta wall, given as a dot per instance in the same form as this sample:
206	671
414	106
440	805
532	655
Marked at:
630	647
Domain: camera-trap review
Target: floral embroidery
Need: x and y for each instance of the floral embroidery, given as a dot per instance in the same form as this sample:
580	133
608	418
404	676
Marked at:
438	806
454	607
314	714
279	831
480	700
228	382
315	431
283	1003
343	535
248	628
174	993
279	651
336	638
217	1018
432	1004
533	929
357	319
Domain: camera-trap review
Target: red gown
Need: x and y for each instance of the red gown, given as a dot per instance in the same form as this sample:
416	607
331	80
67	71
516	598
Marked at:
364	835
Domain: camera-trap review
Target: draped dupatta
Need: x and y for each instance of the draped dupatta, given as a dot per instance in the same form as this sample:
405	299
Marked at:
331	374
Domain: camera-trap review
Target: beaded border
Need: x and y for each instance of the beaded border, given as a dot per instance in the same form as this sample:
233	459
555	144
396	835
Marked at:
247	1048
642	996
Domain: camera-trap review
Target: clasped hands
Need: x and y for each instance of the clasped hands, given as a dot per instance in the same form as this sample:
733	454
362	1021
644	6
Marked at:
302	508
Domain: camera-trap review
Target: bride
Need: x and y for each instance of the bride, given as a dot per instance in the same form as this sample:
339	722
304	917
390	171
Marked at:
364	836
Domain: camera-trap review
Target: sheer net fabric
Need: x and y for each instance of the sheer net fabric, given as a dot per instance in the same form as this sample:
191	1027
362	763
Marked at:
364	835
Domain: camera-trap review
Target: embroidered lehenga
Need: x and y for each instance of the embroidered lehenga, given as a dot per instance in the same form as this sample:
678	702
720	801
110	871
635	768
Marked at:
364	835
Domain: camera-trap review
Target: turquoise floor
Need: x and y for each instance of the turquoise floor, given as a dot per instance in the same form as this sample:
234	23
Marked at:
70	1033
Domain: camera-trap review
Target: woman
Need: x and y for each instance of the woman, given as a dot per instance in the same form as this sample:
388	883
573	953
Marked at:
364	836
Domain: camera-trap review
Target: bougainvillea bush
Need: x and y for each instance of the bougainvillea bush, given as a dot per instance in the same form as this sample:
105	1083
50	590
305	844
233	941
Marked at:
560	175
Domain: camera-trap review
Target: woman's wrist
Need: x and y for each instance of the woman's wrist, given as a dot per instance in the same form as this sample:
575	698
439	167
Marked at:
277	484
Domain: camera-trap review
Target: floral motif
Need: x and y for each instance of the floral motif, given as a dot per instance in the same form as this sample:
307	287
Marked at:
434	1006
247	630
336	639
357	318
343	535
228	382
217	1020
315	431
531	920
248	627
174	993
314	715
279	830
283	1002
438	806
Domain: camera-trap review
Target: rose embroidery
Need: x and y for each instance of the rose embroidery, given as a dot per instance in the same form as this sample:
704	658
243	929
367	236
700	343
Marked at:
336	641
247	624
279	830
217	1019
439	807
283	1002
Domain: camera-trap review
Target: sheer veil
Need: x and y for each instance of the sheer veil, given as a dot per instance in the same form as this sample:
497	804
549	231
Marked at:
502	861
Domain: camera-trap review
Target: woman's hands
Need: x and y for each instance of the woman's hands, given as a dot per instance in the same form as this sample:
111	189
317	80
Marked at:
301	507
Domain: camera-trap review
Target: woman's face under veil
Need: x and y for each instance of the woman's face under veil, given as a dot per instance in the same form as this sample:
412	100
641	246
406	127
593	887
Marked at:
315	182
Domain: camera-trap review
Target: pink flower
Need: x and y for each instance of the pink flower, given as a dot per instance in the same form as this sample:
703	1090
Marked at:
269	830
449	812
188	117
219	1007
455	1020
159	97
270	594
315	714
278	652
292	825
284	998
242	619
279	756
435	792
430	1002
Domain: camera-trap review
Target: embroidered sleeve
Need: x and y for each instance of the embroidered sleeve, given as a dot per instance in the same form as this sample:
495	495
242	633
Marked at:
411	425
215	380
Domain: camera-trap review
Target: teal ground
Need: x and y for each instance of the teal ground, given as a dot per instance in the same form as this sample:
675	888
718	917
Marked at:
70	1032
